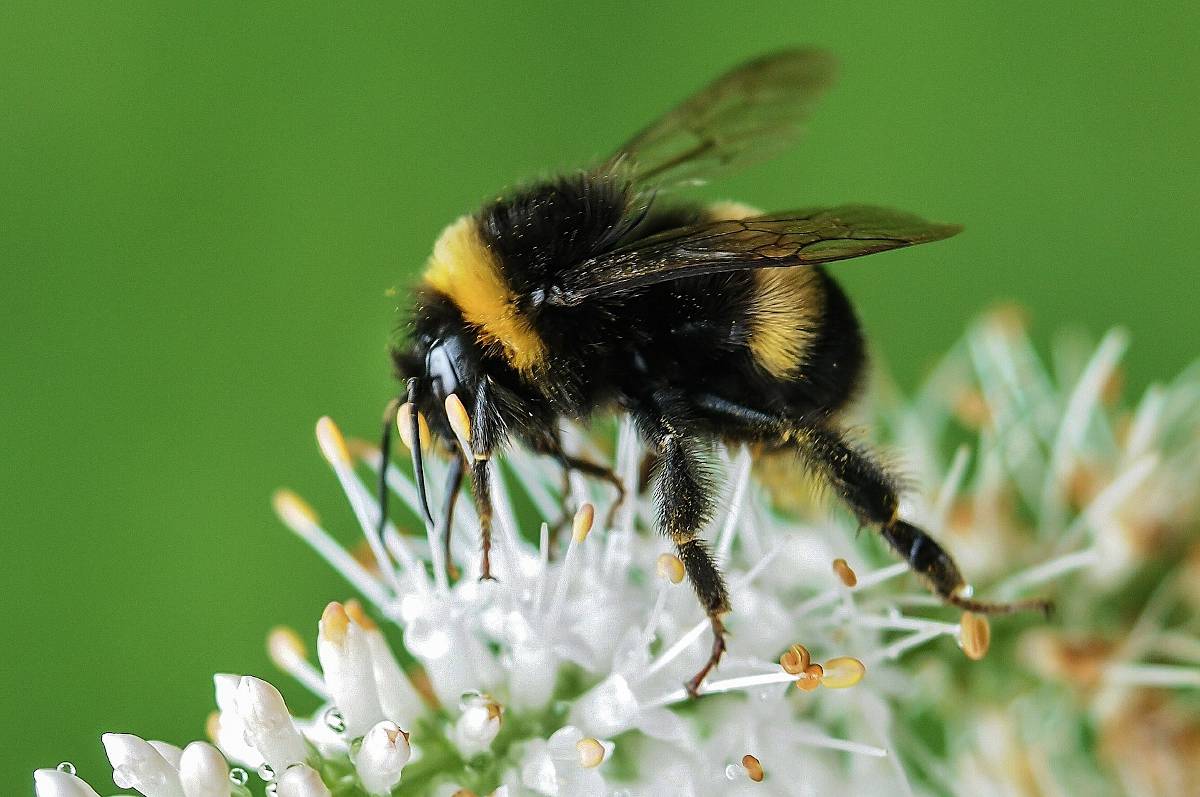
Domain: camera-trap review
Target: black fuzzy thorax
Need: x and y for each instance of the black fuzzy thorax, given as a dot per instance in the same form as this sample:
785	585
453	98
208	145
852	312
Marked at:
688	335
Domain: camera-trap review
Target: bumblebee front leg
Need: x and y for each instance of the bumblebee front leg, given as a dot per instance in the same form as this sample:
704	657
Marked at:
479	434
684	499
481	487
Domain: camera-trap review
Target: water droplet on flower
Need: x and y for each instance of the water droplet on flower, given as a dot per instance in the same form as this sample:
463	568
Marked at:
334	720
239	776
266	773
733	772
66	766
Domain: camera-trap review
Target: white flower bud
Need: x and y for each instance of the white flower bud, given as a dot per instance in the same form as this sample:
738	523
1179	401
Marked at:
349	673
228	732
399	700
478	725
56	783
137	765
203	771
384	752
268	725
167	750
301	780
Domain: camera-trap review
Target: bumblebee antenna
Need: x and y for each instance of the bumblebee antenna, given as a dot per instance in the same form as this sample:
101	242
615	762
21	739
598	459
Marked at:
414	425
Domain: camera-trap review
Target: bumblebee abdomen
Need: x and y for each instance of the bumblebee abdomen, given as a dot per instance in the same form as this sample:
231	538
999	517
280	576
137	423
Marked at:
784	318
783	309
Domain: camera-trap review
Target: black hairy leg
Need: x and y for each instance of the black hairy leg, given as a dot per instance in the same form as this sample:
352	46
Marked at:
551	446
870	492
486	432
454	480
481	488
683	493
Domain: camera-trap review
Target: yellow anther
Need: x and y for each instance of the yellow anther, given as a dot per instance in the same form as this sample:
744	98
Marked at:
845	573
404	426
583	522
395	734
591	752
974	635
354	610
293	510
334	622
212	726
460	422
811	678
669	567
360	449
753	767
843	672
333	445
795	660
284	646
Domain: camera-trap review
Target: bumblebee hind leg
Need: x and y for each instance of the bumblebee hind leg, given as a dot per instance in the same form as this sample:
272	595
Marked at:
870	492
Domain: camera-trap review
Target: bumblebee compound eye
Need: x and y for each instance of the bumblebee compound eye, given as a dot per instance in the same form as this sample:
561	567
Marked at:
446	365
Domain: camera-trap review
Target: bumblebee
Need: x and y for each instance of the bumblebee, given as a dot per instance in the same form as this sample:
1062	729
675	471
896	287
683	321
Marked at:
592	292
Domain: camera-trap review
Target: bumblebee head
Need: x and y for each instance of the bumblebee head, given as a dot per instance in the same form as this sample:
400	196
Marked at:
442	357
437	363
441	360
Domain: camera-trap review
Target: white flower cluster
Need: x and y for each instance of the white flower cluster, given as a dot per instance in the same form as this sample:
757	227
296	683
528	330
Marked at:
563	677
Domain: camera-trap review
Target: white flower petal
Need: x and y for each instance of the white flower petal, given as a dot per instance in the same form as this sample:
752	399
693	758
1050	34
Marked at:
537	769
203	771
346	660
55	783
268	725
400	701
382	756
477	726
301	780
229	732
137	765
168	751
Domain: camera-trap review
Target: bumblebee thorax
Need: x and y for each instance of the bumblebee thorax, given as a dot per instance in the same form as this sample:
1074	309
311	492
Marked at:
468	273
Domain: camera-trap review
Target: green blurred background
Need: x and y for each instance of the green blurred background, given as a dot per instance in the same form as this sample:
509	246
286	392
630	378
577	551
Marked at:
201	207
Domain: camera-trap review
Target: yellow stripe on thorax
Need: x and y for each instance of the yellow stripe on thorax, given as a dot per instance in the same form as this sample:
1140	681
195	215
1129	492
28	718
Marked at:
469	274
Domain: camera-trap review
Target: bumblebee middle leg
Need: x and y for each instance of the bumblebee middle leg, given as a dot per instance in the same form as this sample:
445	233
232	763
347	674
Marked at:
551	446
870	492
683	494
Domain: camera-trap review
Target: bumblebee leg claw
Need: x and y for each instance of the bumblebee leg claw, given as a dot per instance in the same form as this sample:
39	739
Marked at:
714	657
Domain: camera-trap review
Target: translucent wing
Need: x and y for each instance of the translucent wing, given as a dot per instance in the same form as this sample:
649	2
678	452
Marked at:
778	240
747	115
